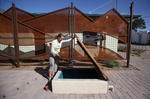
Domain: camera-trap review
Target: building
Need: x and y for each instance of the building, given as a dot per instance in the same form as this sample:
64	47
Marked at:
140	37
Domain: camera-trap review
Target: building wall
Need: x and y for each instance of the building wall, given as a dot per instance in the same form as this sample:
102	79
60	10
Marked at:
80	35
2	46
111	43
9	50
26	48
135	37
21	48
141	37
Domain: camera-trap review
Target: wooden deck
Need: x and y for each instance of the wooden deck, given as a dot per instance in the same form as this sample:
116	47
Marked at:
28	84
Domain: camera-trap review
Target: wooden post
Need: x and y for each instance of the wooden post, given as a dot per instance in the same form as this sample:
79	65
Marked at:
15	35
129	35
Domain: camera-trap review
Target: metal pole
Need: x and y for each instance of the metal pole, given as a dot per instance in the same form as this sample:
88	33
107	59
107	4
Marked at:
15	35
71	32
129	35
100	40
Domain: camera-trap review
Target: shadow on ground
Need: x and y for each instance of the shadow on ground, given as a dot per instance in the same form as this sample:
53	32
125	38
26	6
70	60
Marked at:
44	73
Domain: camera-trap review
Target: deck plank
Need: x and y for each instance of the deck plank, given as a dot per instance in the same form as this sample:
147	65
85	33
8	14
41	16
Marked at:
137	83
138	90
28	84
123	85
97	96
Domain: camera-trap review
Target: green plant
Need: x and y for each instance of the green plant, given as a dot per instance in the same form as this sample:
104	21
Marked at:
138	23
137	52
122	48
112	64
101	66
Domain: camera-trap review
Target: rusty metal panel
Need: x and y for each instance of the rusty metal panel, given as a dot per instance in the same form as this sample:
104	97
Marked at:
81	20
50	25
30	37
5	24
40	56
27	36
99	53
111	23
54	22
6	35
21	14
6	38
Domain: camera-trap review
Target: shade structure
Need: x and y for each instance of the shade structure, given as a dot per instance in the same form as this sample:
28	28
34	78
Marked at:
37	31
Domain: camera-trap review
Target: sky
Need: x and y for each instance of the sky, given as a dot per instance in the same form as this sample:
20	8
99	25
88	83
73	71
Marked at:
141	7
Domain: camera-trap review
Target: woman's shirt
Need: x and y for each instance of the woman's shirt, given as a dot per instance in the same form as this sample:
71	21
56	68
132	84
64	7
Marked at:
56	46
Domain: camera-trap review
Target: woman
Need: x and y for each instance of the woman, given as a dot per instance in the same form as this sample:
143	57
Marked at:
54	57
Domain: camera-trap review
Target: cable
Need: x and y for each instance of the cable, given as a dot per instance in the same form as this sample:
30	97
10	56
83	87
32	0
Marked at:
4	4
146	17
101	6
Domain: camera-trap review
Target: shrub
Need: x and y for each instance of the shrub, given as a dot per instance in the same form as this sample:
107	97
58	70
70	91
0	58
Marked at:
112	64
137	52
122	48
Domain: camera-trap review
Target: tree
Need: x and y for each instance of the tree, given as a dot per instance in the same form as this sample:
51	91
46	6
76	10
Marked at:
138	23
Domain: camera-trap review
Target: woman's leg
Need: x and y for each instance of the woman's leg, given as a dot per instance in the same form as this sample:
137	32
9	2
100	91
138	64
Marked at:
56	63
51	67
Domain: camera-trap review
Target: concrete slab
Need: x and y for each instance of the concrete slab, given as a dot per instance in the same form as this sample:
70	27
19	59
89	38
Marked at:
78	86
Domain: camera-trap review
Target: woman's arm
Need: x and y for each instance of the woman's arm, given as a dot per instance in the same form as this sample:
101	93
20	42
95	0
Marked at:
69	38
